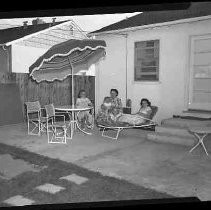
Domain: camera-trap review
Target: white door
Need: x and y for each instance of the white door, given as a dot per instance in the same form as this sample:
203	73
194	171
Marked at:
200	73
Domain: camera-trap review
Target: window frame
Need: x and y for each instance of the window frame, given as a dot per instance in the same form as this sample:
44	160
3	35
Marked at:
147	73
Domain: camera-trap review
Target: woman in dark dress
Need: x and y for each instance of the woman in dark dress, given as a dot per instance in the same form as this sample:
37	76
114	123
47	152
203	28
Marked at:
111	109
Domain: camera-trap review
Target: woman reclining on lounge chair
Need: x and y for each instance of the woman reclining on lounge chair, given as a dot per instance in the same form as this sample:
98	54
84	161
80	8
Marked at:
111	116
140	117
111	121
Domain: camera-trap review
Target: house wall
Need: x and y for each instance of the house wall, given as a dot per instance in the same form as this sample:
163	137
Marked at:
110	72
24	56
170	94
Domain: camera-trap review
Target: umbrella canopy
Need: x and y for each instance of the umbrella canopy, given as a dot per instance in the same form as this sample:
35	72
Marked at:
67	58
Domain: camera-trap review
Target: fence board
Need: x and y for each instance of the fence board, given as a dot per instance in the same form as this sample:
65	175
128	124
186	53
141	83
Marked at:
57	92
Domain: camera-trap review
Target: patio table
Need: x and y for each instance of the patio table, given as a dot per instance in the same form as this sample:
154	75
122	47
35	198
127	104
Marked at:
200	133
73	113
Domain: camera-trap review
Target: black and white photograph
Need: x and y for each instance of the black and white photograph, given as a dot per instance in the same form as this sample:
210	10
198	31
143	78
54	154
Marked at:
104	106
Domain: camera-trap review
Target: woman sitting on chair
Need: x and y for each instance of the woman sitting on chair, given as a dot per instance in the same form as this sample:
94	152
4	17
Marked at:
140	117
145	109
111	109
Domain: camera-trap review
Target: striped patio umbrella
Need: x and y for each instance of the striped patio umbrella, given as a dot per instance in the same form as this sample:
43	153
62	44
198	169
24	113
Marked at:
67	58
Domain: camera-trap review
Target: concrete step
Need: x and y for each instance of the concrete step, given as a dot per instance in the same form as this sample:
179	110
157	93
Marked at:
198	111
184	123
194	114
173	139
165	129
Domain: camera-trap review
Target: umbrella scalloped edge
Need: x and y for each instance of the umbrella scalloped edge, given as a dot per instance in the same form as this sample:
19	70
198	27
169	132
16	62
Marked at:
63	55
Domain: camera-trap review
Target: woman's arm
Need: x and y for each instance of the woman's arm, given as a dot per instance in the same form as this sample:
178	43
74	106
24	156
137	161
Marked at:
146	115
89	102
138	112
119	105
77	102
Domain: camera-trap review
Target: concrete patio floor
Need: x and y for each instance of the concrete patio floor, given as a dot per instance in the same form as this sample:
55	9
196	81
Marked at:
164	167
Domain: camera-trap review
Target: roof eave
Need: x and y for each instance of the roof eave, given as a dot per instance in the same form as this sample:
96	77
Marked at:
36	33
187	20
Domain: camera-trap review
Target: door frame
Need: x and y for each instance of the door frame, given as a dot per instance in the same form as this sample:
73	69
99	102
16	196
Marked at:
190	104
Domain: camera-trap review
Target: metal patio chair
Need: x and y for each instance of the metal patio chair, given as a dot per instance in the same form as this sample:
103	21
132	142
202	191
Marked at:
56	125
33	115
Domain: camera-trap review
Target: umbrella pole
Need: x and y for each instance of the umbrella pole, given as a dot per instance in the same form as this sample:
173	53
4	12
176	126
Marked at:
73	101
72	88
73	98
72	83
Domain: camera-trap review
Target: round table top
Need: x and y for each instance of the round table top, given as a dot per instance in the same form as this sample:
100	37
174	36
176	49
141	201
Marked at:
200	129
71	108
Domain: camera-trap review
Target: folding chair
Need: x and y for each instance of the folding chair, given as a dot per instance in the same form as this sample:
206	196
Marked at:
56	126
33	113
43	120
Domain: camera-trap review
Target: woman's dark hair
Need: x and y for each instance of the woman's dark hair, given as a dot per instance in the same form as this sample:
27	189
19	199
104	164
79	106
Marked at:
145	99
115	90
81	91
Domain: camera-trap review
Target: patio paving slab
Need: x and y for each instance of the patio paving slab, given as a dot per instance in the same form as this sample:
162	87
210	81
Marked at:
50	188
75	178
164	167
18	200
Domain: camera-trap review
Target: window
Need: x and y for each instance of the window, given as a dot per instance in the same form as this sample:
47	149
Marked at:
147	60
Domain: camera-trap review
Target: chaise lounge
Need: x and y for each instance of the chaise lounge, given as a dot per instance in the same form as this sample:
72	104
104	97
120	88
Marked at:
118	127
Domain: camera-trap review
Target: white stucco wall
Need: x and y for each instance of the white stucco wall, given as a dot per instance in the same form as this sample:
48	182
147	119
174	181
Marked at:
91	70
170	94
110	72
24	56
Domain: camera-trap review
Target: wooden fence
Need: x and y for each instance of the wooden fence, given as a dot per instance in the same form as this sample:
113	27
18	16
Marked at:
57	92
